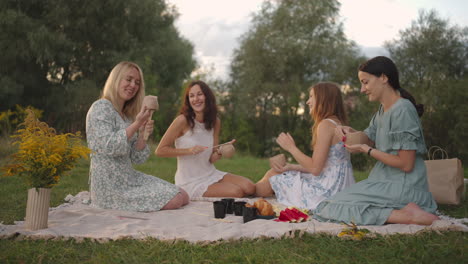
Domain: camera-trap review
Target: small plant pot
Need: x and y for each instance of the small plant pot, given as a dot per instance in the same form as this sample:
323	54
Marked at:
219	208
239	208
227	151
229	202
358	137
37	208
279	159
249	214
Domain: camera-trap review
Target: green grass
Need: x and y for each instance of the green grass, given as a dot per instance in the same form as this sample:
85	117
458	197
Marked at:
426	247
421	248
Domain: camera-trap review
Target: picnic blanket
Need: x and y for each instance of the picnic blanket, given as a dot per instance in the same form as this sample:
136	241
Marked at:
194	223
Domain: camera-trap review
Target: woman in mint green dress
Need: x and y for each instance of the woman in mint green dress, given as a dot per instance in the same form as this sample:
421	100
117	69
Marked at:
396	190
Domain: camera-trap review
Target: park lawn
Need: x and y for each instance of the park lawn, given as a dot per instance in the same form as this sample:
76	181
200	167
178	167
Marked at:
426	247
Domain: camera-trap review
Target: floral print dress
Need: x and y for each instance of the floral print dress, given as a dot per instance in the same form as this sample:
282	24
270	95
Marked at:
305	190
114	182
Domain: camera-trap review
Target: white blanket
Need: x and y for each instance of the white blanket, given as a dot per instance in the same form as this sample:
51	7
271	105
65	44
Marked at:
194	223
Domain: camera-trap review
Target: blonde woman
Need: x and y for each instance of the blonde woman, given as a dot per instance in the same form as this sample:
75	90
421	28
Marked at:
114	131
329	169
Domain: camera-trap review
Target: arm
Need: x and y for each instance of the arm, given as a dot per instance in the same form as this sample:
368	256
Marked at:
314	164
295	167
140	124
404	160
102	134
404	133
166	146
216	155
342	131
140	150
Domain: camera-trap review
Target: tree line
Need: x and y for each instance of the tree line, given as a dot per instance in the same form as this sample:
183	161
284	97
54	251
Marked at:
58	54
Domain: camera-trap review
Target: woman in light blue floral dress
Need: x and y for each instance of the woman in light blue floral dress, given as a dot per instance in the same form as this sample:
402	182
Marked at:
397	189
114	131
329	169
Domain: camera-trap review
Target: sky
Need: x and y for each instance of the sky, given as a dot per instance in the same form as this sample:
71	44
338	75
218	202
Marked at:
215	26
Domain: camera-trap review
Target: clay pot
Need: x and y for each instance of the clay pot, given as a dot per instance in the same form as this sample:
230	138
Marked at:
151	102
279	159
227	151
356	138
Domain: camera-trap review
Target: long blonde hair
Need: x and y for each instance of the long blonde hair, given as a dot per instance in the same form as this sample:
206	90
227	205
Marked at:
328	103
110	92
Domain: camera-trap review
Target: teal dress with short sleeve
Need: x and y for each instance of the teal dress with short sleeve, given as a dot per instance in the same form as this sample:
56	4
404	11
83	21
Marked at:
371	201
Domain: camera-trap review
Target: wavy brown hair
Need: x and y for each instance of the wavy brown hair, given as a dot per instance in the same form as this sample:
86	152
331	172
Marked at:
328	103
209	113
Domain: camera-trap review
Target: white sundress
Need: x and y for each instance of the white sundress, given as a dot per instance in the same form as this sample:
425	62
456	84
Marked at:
304	190
195	172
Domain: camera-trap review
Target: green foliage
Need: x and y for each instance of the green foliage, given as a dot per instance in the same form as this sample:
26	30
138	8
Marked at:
437	77
59	53
291	45
425	247
11	119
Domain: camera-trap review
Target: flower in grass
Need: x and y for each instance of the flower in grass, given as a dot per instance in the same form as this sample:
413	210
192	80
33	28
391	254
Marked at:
351	231
43	155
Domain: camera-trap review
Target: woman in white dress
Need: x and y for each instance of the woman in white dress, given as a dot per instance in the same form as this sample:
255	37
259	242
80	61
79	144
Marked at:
191	138
329	169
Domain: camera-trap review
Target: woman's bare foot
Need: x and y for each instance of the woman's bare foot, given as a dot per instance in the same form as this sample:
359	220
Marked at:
413	214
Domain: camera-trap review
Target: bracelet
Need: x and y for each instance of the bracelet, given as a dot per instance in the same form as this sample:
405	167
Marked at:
369	151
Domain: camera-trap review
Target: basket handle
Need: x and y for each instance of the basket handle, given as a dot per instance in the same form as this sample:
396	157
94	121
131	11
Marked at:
434	150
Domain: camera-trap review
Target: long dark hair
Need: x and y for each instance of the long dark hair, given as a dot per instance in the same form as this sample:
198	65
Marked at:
383	65
209	113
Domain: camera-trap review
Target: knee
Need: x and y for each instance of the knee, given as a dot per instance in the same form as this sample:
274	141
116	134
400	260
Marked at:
185	196
263	189
236	192
249	188
176	202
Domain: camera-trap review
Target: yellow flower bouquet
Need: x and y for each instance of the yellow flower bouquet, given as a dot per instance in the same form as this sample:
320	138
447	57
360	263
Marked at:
43	155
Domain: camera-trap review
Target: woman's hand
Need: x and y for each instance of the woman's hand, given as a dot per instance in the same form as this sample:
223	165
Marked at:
286	141
357	148
143	116
197	149
215	155
280	168
147	129
341	131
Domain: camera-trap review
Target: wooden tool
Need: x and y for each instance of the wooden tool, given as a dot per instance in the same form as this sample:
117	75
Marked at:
151	103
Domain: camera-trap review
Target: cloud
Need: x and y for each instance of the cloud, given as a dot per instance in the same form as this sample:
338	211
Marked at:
214	26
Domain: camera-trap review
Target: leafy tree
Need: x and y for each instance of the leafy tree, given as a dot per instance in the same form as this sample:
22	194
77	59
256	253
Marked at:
291	45
432	56
58	53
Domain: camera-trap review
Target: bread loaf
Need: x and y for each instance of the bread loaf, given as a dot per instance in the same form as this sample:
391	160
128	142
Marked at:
263	207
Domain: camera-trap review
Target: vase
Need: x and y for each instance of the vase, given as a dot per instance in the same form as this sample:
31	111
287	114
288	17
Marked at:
37	208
